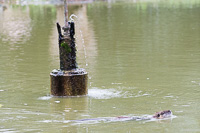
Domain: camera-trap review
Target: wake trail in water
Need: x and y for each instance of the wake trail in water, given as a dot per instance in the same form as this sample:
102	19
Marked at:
144	118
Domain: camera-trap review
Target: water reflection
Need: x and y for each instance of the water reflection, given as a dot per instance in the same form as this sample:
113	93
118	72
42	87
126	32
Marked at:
23	30
16	25
70	108
86	40
144	41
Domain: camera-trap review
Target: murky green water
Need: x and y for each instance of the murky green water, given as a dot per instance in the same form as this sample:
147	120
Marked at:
141	57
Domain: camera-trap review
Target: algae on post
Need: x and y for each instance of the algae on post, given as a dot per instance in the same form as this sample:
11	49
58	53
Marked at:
66	47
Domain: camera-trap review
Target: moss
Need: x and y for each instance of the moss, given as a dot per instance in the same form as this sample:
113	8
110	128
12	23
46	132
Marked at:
66	47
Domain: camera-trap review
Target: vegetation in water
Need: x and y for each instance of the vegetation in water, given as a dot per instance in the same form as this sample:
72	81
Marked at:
66	47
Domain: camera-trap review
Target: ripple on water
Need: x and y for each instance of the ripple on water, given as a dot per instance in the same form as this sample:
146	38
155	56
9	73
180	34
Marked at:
144	118
45	98
169	96
169	119
8	130
98	93
94	93
103	93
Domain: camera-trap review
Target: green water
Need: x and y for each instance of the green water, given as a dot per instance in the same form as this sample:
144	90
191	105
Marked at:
141	57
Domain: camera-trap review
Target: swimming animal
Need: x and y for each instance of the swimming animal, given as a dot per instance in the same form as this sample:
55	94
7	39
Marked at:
162	114
157	115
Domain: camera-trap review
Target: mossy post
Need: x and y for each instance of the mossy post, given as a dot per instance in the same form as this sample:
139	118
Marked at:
69	80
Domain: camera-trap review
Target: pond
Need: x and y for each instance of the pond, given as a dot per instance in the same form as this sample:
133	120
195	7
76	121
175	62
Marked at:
141	57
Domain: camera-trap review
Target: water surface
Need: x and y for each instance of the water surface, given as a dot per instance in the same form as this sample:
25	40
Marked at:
141	56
